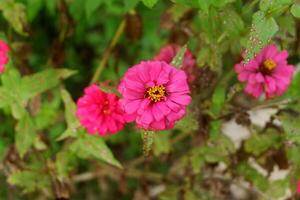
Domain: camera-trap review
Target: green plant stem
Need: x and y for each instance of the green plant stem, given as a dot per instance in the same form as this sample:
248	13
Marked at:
108	51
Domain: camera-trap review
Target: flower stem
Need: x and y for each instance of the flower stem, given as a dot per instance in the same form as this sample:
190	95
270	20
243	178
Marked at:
108	51
148	138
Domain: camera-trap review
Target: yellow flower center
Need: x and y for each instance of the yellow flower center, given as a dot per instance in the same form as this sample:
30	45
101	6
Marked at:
156	93
269	64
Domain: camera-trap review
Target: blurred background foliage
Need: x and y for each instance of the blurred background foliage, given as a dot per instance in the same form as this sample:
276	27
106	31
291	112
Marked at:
57	47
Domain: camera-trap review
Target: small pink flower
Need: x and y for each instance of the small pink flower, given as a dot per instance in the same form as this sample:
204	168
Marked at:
298	187
155	95
3	55
99	111
268	72
167	54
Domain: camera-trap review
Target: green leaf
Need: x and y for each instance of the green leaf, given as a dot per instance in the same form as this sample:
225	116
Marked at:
130	5
30	181
11	80
262	30
218	100
273	5
93	146
204	5
258	144
70	107
48	112
215	128
71	131
91	6
149	3
15	14
178	59
64	164
33	8
278	188
72	121
293	155
40	82
5	98
197	162
253	176
291	126
293	90
51	7
188	123
162	143
25	134
295	10
39	144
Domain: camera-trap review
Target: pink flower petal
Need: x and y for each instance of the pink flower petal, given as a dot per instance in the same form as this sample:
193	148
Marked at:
182	99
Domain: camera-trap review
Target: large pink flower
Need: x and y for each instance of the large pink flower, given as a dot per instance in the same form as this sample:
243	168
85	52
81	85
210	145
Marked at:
167	54
99	111
155	94
3	55
268	72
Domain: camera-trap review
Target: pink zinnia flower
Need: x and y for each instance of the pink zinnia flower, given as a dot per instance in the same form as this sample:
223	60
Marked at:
298	188
167	54
268	72
3	55
155	94
99	111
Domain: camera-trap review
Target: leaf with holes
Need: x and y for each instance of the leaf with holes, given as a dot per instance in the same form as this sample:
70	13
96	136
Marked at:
262	30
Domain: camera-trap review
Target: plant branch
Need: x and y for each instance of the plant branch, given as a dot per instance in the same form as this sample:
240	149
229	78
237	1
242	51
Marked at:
108	51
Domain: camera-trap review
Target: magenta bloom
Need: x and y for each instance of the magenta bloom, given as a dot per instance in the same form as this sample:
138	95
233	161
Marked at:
99	111
155	95
3	55
167	54
268	72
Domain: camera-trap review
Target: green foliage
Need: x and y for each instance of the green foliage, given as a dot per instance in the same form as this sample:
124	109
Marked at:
188	124
25	134
295	10
30	180
45	151
162	143
277	188
149	3
218	100
93	147
42	81
33	8
291	127
15	14
258	144
91	6
178	59
293	90
252	175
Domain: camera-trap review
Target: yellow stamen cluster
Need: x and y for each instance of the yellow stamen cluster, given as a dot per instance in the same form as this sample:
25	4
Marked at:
269	64
156	93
